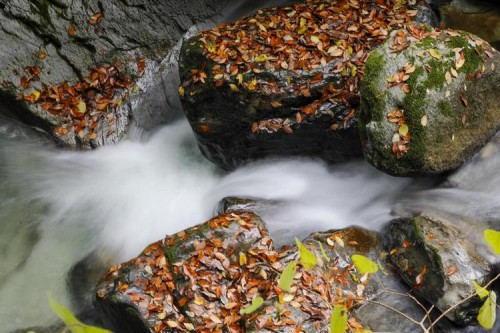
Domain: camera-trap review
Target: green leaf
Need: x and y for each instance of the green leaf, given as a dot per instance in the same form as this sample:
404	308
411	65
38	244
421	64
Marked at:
307	259
492	237
487	312
338	320
363	264
403	129
435	53
82	107
261	58
256	303
323	252
70	320
480	291
286	277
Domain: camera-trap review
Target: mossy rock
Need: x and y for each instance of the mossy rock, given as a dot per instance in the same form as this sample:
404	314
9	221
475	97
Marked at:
450	106
288	111
439	261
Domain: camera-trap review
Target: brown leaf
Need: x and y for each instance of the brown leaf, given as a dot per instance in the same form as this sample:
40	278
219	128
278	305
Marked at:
464	100
71	31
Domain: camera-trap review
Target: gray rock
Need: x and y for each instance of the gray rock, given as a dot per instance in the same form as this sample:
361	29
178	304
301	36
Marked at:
38	34
235	204
439	260
450	108
279	108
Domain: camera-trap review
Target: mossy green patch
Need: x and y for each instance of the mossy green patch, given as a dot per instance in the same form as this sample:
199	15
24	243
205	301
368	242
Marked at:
473	55
372	106
427	43
445	108
436	78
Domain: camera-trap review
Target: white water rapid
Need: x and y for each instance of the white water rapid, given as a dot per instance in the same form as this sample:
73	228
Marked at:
118	199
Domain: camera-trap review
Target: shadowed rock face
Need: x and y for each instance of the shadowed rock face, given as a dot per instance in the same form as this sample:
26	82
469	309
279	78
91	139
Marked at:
284	81
439	260
47	43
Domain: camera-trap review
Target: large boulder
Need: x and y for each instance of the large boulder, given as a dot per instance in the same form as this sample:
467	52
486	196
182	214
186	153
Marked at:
80	70
429	101
284	81
440	260
202	277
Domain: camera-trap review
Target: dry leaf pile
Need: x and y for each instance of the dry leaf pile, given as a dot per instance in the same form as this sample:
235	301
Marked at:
85	104
200	279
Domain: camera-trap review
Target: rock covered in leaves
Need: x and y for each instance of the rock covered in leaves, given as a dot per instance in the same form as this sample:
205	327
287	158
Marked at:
80	69
440	260
202	278
285	80
429	100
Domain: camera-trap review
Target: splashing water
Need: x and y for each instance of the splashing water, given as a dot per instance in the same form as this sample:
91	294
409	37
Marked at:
118	199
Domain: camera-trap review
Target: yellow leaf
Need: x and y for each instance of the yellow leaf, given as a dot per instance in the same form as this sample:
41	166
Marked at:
435	54
233	87
69	319
363	264
323	252
252	85
286	277
315	39
82	107
403	130
181	91
243	258
256	303
338	319
36	95
480	291
487	312
492	237
261	58
307	259
239	77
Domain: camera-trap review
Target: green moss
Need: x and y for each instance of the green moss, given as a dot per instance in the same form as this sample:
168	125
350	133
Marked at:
427	43
473	56
445	108
436	78
372	105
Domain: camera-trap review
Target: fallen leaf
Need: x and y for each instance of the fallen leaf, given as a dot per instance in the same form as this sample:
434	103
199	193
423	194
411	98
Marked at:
423	121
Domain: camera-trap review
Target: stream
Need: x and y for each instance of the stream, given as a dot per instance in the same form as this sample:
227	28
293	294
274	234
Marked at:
58	207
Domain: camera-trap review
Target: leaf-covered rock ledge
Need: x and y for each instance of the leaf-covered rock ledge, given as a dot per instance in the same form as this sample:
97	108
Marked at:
79	70
225	276
285	81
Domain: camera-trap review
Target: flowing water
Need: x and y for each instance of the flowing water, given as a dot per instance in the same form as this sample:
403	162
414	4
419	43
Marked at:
58	207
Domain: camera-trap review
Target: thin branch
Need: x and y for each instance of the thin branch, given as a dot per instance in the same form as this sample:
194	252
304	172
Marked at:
462	301
398	312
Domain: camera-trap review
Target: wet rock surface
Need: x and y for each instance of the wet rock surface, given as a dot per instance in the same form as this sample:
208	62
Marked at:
284	81
429	101
439	261
202	277
107	55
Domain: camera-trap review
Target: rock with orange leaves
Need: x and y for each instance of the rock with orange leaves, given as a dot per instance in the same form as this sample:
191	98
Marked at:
285	81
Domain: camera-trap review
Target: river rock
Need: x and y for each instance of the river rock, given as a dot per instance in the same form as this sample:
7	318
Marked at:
284	81
202	277
440	260
429	101
80	70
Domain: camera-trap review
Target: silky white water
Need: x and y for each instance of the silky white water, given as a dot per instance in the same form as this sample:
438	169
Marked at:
118	199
